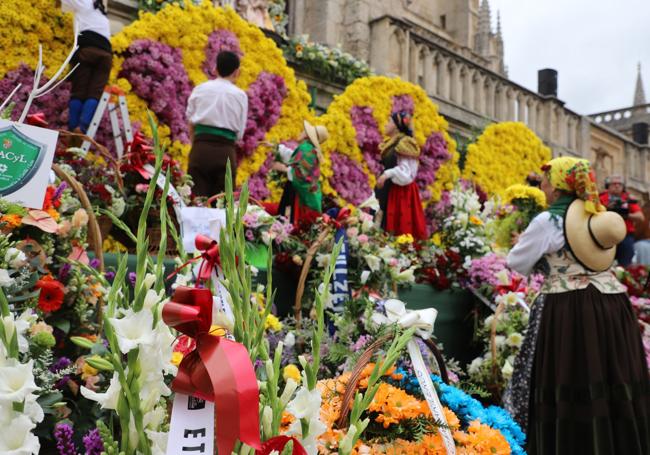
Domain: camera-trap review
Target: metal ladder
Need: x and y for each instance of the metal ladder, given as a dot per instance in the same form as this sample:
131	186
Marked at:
113	98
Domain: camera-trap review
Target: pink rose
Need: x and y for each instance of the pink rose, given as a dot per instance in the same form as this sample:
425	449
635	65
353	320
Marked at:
363	238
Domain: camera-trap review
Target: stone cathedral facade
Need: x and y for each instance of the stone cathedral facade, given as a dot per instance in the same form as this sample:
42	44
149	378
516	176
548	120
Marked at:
454	49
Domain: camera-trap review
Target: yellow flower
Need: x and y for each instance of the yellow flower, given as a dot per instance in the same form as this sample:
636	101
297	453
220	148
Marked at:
87	371
217	331
436	239
177	357
272	323
518	191
291	372
111	245
504	155
404	239
475	220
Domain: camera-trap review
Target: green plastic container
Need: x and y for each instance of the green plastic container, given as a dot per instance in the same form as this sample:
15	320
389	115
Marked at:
257	255
454	325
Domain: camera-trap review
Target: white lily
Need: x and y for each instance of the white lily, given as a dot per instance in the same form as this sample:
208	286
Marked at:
108	399
306	404
16	381
17	438
373	262
133	329
15	258
5	279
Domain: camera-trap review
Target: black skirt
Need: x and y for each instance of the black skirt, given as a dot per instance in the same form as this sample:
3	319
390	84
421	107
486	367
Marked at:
590	391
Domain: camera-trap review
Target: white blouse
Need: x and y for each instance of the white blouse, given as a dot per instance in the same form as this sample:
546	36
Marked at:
86	17
285	155
405	171
543	236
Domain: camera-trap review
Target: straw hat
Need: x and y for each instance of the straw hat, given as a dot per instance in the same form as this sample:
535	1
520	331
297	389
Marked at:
593	238
316	134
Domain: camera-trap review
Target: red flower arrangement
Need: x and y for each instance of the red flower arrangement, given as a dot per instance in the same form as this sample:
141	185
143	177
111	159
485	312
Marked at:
52	292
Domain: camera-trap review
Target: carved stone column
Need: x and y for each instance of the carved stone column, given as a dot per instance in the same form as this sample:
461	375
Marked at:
455	86
479	92
430	73
522	102
510	107
490	103
532	114
443	77
468	87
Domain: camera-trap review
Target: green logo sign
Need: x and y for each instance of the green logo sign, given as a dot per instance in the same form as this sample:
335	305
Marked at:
20	158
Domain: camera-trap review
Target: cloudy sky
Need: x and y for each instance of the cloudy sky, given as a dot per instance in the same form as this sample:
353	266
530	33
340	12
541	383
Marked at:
593	44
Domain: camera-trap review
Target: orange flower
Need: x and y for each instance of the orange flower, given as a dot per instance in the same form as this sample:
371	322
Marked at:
394	405
12	221
480	439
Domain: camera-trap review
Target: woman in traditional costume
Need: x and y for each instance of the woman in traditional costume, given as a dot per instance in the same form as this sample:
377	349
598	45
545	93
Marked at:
398	194
302	200
581	383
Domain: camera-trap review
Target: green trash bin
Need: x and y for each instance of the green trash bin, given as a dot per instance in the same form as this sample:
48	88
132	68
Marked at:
454	327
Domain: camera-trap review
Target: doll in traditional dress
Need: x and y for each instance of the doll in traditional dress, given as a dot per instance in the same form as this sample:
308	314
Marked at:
399	198
302	198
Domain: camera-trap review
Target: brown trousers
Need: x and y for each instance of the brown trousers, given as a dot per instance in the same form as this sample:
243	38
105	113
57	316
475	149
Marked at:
208	159
91	76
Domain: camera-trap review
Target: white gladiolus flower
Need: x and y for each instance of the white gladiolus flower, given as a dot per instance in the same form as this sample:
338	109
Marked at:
19	326
289	340
151	298
406	276
16	438
364	276
306	404
149	280
16	381
322	260
507	370
346	443
515	340
499	340
158	441
133	330
108	399
5	279
488	321
15	258
118	206
373	262
287	393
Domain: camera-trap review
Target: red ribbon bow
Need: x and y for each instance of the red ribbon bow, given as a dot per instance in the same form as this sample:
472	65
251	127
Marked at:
209	254
217	370
337	222
278	443
37	119
515	285
138	154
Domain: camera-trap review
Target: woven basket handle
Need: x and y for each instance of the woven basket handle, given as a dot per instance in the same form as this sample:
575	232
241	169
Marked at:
364	360
93	226
300	290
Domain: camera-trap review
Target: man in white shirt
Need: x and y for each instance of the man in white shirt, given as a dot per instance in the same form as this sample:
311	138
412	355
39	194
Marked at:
217	111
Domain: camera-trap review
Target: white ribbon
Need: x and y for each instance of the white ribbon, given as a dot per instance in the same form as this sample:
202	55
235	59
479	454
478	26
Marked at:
191	429
422	321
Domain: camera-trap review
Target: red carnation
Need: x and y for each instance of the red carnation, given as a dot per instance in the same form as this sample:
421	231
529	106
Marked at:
51	296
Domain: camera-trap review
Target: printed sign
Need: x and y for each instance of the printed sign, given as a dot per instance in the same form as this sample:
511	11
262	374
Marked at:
191	430
26	154
200	220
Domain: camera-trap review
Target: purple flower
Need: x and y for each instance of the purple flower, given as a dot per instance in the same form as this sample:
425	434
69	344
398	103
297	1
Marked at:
249	235
110	275
132	278
265	98
64	272
94	263
349	180
257	183
59	190
157	75
219	40
60	364
368	137
63	435
434	155
403	103
93	443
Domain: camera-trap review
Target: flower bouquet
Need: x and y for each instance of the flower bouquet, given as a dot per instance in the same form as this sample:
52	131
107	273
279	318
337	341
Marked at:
520	205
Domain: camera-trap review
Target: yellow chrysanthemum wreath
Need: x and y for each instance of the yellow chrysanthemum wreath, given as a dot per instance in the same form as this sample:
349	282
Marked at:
188	29
504	155
25	24
378	92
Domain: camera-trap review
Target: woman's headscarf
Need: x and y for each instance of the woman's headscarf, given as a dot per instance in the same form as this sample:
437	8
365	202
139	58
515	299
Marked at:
402	121
574	175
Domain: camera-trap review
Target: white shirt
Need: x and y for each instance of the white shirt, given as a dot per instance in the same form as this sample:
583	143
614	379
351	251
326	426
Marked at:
86	17
285	155
544	235
219	103
405	171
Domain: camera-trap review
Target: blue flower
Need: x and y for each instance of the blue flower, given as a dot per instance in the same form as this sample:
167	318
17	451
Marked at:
468	409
